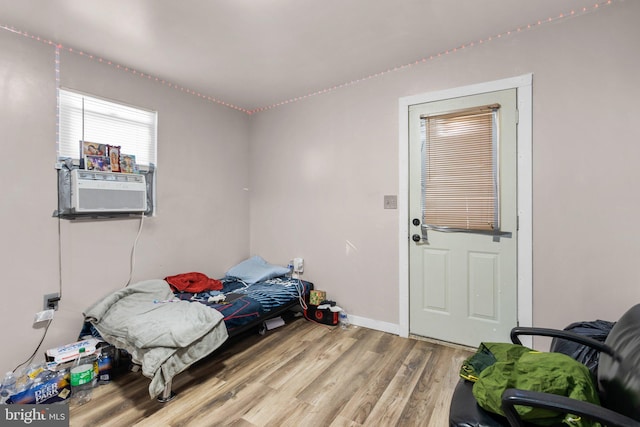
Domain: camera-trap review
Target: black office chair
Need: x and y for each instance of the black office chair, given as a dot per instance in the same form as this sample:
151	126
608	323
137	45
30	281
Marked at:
618	383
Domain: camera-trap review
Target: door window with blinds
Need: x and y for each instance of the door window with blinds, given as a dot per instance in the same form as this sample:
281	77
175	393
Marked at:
460	174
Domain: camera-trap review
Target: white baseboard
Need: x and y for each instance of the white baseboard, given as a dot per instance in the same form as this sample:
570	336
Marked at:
378	325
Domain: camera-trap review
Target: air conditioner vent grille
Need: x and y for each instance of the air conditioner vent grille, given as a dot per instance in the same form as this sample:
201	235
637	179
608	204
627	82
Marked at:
93	191
98	200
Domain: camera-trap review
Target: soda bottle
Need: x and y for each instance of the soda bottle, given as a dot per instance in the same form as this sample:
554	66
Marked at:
83	377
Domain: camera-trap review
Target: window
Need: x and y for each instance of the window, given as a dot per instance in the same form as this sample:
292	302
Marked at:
86	118
459	175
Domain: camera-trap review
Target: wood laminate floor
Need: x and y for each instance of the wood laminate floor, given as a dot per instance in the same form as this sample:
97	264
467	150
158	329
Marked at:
302	374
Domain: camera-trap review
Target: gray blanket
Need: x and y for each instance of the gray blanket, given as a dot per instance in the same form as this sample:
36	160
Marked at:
164	337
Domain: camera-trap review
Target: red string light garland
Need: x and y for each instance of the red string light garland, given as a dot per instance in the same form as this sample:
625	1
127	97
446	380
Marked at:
59	47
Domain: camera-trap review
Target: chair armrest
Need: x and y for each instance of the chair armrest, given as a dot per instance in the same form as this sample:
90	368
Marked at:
566	335
562	404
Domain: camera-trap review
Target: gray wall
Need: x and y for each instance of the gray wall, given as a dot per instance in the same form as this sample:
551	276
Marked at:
317	171
202	221
320	169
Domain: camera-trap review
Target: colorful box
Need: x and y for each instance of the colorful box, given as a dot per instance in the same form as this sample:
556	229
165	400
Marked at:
316	297
71	351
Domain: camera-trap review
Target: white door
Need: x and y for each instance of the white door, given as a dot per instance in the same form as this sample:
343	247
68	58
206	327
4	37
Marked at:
463	280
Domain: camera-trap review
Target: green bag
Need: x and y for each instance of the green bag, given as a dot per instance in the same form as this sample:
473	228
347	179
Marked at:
489	353
554	373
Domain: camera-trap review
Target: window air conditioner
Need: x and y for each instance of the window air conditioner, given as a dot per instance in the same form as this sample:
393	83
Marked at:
94	191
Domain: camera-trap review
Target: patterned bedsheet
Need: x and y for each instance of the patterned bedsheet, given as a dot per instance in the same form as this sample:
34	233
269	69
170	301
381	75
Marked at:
255	302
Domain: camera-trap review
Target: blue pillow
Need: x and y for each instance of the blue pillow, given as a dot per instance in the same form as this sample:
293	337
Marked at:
256	269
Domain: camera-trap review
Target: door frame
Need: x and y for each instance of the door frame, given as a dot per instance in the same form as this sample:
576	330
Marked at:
523	86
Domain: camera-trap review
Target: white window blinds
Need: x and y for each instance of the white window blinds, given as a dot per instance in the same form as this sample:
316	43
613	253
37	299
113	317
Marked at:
459	175
83	117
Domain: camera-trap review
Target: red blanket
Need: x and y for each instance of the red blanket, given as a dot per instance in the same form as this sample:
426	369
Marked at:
193	282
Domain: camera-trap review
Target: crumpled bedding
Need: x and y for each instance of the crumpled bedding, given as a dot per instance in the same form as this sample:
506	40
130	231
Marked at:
164	337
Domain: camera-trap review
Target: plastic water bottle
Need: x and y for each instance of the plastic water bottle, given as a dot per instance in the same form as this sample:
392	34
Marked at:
105	364
343	319
83	377
289	274
7	388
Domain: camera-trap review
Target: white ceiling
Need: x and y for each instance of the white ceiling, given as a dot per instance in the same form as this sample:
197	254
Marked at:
258	53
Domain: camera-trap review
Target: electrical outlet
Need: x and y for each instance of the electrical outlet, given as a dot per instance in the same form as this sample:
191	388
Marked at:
391	202
51	301
298	265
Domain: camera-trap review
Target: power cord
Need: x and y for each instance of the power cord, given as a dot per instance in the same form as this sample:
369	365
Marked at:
37	348
303	304
300	289
46	329
133	251
59	258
